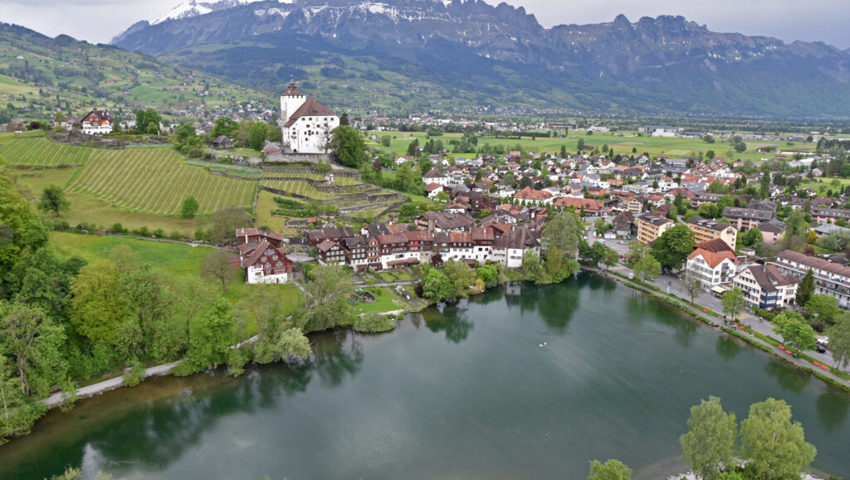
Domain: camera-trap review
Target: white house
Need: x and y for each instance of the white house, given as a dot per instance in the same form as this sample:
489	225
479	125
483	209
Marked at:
712	268
307	124
436	176
97	122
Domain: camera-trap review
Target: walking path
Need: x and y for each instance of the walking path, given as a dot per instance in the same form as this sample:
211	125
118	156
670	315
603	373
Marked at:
95	389
672	286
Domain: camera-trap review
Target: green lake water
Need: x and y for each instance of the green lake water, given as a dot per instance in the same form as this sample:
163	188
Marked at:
526	382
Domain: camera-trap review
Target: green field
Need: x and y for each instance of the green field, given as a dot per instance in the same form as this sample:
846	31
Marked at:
156	180
620	142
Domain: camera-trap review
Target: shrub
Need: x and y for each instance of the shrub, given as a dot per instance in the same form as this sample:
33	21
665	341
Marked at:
374	323
135	376
118	228
159	233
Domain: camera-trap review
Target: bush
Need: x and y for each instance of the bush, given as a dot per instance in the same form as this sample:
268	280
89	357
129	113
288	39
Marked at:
135	376
175	235
159	233
118	228
374	323
185	369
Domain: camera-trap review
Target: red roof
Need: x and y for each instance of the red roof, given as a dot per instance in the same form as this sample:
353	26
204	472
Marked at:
714	259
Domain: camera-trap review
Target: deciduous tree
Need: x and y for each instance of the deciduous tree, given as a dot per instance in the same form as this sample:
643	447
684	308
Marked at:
795	332
672	248
733	302
610	470
775	446
53	200
348	147
692	284
647	268
839	341
216	265
709	445
189	207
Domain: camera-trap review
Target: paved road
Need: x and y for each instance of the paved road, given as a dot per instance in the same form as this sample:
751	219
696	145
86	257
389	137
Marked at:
671	284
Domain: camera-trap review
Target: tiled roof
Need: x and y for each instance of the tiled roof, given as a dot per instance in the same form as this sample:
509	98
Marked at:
310	108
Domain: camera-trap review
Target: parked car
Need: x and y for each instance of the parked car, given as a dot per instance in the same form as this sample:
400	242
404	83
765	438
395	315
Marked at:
821	348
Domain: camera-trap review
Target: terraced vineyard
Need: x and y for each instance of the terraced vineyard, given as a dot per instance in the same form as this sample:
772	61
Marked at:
298	187
41	152
156	180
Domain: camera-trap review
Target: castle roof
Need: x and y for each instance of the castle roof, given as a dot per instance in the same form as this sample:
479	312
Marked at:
292	91
310	108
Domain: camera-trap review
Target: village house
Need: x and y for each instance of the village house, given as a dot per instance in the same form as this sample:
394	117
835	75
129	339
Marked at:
713	262
831	279
765	287
650	227
705	230
97	122
530	196
262	256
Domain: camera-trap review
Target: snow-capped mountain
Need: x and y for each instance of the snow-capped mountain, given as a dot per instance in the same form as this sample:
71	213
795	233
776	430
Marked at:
666	63
194	8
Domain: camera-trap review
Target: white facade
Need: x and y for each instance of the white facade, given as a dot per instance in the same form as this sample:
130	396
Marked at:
255	276
710	276
307	124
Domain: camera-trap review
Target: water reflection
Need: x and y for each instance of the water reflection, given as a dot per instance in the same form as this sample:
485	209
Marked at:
642	309
787	378
727	347
832	408
454	322
337	357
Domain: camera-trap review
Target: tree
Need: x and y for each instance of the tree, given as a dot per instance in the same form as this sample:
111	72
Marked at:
257	133
223	224
491	274
189	208
563	231
839	341
327	300
692	284
461	276
823	308
343	120
775	446
733	302
210	335
532	267
709	445
53	200
611	257
148	121
224	126
795	332
672	248
610	470
32	341
647	268
752	238
436	286
96	308
806	288
216	265
348	147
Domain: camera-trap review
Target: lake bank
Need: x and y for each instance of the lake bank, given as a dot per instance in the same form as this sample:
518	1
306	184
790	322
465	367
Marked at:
466	392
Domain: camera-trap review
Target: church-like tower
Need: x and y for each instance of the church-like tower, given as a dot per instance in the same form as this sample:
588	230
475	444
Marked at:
290	102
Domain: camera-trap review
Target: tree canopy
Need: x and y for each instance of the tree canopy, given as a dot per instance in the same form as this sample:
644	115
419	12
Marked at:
348	147
672	248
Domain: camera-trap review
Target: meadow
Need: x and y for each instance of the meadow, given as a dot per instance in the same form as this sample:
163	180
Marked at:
620	143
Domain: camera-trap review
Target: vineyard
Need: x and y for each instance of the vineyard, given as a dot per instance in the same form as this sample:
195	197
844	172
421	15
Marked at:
298	187
40	152
156	180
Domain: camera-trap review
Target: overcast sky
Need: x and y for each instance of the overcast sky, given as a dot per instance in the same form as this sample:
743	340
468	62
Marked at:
824	20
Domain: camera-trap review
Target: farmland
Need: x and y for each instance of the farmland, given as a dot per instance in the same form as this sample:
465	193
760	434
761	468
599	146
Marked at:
156	180
37	151
621	143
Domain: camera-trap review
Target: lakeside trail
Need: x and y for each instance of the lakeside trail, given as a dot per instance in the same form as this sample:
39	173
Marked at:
708	306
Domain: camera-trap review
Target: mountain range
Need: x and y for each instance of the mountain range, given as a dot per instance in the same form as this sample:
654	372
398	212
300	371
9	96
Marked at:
396	55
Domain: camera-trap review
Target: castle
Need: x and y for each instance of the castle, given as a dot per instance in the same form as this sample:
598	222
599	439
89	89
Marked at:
307	124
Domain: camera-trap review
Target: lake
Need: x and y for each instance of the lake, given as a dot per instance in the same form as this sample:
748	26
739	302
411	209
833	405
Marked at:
523	382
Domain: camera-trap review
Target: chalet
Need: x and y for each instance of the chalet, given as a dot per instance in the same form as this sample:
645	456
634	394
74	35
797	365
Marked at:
335	234
265	263
331	252
97	122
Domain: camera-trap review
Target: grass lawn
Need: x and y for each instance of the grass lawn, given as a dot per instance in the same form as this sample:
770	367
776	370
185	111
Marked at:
265	206
181	260
385	301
